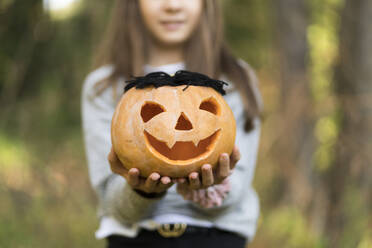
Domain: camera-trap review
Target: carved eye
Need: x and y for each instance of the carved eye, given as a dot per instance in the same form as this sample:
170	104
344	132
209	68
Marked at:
150	110
210	105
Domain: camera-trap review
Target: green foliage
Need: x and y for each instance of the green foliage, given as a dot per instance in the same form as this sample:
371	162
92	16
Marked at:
46	198
248	30
355	214
48	206
288	226
323	41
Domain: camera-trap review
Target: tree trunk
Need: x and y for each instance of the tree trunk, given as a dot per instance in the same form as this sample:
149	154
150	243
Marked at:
353	79
295	143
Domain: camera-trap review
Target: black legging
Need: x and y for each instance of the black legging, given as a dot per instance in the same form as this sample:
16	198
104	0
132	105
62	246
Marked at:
210	237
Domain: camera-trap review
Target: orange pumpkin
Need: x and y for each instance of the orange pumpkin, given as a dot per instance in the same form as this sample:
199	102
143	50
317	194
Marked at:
172	130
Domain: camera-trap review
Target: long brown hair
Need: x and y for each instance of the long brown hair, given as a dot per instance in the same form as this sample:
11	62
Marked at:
206	52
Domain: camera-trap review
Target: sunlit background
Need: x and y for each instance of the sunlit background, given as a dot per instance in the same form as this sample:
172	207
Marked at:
55	5
314	168
60	9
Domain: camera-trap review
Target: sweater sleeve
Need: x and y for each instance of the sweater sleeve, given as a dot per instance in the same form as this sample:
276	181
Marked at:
115	196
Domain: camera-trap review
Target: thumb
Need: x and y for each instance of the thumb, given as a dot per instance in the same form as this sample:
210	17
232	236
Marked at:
116	165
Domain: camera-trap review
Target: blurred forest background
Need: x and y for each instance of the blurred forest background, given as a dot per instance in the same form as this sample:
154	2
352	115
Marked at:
314	172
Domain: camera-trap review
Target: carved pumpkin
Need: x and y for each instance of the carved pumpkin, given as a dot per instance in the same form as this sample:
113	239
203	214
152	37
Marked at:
172	130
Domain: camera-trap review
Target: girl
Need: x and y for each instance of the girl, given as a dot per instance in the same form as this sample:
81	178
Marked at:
212	209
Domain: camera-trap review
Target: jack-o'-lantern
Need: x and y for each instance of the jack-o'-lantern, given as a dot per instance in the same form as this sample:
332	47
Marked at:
172	124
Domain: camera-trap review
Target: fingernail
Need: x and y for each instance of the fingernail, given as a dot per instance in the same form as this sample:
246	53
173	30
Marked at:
165	180
155	176
194	175
225	156
206	167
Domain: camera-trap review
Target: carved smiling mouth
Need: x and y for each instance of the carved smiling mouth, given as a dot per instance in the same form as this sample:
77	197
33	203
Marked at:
183	150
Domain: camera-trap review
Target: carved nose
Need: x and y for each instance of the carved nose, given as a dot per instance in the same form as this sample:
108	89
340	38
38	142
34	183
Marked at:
183	123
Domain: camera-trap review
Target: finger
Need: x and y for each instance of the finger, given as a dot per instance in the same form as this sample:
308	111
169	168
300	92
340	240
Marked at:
194	180
234	157
112	155
151	182
164	184
115	164
202	197
194	195
223	166
220	192
182	186
133	177
207	175
181	180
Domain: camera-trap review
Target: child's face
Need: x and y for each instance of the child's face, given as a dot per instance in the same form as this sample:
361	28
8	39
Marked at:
171	22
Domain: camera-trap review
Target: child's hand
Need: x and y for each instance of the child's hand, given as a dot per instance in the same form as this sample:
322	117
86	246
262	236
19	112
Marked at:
208	176
210	197
153	184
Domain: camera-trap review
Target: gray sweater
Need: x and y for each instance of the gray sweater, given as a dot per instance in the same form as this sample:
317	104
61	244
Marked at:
118	202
